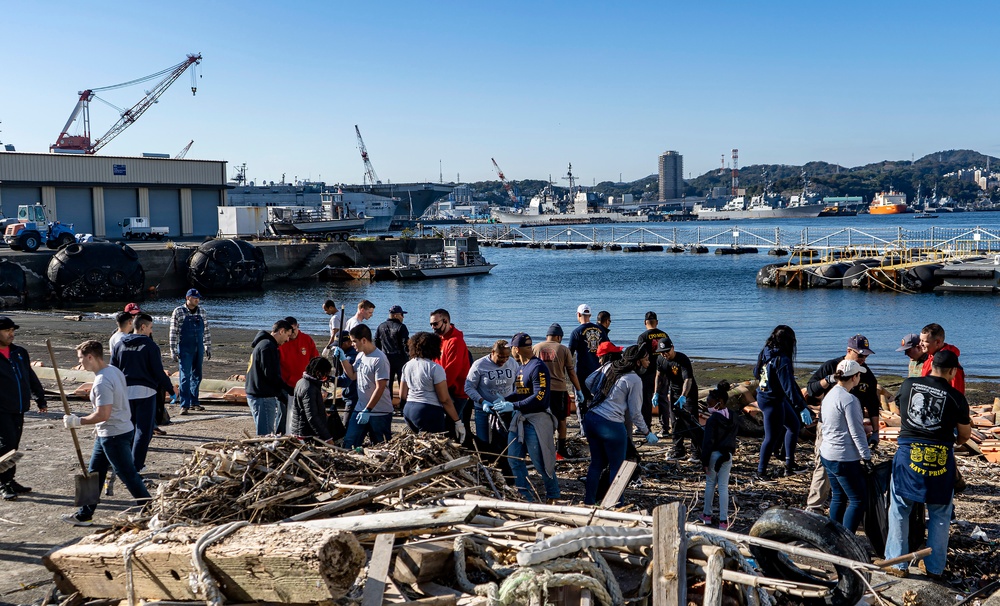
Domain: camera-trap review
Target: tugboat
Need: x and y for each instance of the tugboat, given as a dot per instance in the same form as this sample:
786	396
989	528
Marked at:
459	257
888	203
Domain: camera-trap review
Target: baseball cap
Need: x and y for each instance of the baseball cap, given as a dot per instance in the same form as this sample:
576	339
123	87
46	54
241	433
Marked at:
849	368
521	339
133	309
650	315
6	323
583	309
664	345
396	309
193	293
607	347
942	359
859	343
555	330
909	341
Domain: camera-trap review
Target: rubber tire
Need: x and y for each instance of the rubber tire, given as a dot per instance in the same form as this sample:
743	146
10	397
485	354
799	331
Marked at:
818	532
95	277
30	241
74	249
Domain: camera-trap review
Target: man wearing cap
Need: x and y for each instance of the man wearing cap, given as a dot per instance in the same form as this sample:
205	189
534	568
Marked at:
677	397
532	427
19	385
932	341
559	360
456	361
583	343
391	337
931	411
190	345
124	320
649	339
910	345
294	355
867	393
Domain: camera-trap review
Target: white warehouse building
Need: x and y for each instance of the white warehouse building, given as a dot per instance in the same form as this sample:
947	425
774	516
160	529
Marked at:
95	193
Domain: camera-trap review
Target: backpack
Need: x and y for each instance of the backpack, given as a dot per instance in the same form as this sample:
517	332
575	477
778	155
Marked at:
595	385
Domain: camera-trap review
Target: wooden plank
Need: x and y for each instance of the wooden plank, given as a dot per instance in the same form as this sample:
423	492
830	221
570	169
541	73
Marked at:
713	576
618	485
378	570
669	555
363	498
423	562
394	521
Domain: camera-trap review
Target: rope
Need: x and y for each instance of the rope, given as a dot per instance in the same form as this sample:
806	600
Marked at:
755	596
530	584
487	590
200	579
127	559
609	577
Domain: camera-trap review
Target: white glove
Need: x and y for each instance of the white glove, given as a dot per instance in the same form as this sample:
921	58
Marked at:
460	432
71	421
325	353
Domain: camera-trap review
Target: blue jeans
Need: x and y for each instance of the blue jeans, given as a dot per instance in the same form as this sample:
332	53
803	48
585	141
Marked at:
378	428
424	417
607	441
718	479
190	358
144	419
938	523
115	453
265	414
778	416
848	492
533	449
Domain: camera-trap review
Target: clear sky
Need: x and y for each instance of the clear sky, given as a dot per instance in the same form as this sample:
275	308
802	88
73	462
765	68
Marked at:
607	86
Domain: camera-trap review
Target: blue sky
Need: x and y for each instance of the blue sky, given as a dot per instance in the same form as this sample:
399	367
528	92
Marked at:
606	86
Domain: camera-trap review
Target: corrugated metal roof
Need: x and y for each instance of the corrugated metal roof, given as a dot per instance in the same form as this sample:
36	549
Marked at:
109	170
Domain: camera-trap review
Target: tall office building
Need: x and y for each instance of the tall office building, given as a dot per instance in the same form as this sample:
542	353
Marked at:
671	175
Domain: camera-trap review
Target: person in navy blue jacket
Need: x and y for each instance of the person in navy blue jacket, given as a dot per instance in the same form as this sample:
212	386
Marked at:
139	359
779	399
19	384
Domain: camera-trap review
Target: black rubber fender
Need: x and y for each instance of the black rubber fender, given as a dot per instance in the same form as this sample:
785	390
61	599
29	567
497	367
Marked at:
854	275
13	282
816	532
130	253
74	249
94	277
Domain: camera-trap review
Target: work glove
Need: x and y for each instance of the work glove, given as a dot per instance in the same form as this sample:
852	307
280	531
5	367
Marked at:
830	380
460	432
71	421
175	355
651	438
502	406
806	416
656	400
363	417
43	406
208	356
579	397
869	467
681	401
325	353
873	439
337	355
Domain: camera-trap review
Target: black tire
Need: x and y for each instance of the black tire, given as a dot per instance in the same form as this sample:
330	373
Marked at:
65	240
74	249
94	277
816	532
30	241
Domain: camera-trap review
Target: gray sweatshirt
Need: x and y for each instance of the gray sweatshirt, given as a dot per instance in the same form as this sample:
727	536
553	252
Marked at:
626	395
487	381
843	427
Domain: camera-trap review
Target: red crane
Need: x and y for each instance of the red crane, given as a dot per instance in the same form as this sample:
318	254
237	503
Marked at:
82	143
506	185
369	169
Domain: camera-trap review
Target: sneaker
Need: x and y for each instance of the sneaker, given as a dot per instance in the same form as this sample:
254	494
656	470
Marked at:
795	470
930	575
7	493
723	525
763	478
18	488
109	486
694	459
672	457
184	412
76	520
158	432
706	520
559	457
663	434
197	407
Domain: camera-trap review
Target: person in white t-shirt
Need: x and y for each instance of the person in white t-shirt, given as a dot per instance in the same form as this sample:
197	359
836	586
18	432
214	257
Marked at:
371	371
366	309
113	418
424	388
330	309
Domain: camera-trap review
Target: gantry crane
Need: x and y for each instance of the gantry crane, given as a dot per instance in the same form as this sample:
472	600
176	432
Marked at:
82	142
506	185
184	152
369	169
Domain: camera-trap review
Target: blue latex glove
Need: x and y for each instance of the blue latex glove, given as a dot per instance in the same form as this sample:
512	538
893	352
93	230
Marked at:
338	355
873	439
487	407
656	400
651	438
579	396
503	406
681	401
806	416
363	417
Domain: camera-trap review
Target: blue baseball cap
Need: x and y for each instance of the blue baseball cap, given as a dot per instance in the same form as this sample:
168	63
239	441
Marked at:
193	293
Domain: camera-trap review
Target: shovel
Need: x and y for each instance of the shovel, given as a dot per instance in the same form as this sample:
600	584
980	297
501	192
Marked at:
88	488
9	460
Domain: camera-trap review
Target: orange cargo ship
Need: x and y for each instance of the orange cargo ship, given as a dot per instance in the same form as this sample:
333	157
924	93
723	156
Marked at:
891	203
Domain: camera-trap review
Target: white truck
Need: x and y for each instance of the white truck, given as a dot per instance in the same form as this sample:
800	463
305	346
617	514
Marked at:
137	228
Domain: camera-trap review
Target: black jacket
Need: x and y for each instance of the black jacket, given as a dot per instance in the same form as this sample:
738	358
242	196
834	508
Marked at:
391	337
720	436
18	382
264	374
866	391
139	359
307	415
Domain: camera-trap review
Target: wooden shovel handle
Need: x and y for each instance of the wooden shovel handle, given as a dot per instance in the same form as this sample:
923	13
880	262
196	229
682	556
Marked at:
65	403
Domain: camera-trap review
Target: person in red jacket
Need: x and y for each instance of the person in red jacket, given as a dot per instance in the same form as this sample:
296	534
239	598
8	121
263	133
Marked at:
931	342
294	355
456	360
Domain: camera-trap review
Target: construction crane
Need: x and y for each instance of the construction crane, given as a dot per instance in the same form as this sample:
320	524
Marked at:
184	152
83	144
369	169
506	185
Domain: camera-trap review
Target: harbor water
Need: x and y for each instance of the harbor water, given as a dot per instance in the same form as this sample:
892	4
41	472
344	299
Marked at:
708	304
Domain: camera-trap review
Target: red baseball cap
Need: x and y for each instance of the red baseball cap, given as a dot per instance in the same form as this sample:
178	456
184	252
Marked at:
607	347
133	309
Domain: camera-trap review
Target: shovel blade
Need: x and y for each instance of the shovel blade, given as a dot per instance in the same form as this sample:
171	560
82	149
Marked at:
9	460
88	490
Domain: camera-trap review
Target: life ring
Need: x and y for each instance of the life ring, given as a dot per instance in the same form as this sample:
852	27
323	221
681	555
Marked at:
818	532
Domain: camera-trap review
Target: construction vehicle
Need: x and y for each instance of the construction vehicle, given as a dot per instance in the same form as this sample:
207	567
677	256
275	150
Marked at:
137	228
27	234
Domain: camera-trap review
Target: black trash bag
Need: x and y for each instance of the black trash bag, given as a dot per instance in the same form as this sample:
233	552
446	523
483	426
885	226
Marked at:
876	522
631	454
334	424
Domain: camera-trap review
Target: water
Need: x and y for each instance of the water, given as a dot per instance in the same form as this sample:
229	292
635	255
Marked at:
709	304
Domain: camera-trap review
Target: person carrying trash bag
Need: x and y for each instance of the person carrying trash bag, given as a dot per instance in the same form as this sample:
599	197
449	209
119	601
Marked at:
491	379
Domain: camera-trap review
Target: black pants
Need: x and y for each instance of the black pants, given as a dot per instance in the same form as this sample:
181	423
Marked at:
648	389
11	426
395	370
686	425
